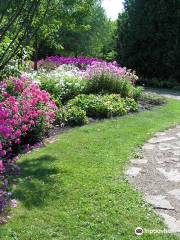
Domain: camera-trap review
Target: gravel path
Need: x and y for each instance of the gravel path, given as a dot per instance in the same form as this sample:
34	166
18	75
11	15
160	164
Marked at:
157	175
165	92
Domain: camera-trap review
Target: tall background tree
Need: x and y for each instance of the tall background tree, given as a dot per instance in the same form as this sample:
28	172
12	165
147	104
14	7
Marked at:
16	25
82	28
149	38
49	27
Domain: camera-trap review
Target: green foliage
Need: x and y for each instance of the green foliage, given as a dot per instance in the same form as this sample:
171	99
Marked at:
51	87
19	20
103	106
109	83
79	28
153	98
75	116
149	38
17	63
62	90
60	117
136	93
71	116
131	105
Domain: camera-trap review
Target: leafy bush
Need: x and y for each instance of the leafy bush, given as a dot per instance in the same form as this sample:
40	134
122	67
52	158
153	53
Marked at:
131	105
152	98
103	77
67	80
17	63
103	106
136	93
75	116
71	116
63	84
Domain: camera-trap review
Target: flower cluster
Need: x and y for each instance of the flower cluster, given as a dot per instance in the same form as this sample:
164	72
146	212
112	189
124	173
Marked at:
59	60
89	67
24	107
99	68
63	83
65	71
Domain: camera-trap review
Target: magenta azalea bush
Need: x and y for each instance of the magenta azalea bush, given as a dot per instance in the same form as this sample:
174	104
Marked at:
24	108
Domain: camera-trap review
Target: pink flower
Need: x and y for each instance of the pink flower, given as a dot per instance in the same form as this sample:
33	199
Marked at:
2	153
18	141
1	165
15	159
24	128
17	133
14	203
23	106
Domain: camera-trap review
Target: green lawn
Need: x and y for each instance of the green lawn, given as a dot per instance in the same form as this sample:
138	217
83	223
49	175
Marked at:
78	190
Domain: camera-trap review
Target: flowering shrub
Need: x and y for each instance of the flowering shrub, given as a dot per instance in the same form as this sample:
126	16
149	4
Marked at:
110	69
98	76
63	83
93	66
58	60
103	77
24	108
103	106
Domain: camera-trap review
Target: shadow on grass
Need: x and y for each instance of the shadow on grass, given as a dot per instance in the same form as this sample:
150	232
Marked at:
37	183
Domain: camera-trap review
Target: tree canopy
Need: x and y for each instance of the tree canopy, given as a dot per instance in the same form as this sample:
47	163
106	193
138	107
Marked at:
69	27
149	37
16	25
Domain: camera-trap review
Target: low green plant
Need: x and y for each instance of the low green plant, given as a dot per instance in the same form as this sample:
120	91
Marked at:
60	117
152	98
131	105
104	106
74	116
136	93
62	90
109	83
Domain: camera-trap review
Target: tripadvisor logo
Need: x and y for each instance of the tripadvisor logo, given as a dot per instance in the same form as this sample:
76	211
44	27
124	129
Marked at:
139	231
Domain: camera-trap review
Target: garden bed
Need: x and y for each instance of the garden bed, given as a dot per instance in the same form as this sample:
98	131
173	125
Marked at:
61	94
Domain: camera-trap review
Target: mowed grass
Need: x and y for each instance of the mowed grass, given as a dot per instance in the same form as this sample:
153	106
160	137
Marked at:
78	189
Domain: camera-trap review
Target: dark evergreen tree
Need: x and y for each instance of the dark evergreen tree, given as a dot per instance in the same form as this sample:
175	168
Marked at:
149	38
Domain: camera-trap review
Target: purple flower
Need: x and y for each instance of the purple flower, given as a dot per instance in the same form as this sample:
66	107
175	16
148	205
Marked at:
14	203
59	60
